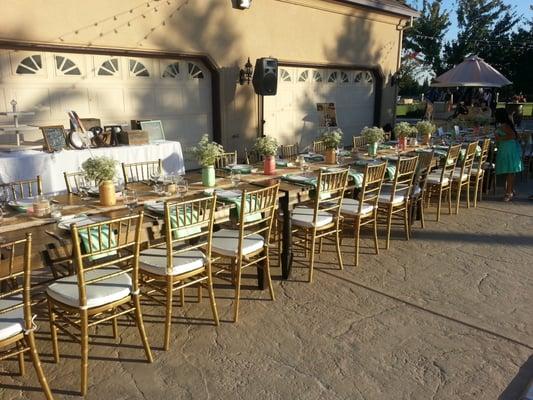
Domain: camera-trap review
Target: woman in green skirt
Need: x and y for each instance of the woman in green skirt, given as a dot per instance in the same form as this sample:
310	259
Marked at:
509	156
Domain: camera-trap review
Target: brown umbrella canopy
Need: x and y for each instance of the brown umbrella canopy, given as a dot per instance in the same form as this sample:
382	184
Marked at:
472	72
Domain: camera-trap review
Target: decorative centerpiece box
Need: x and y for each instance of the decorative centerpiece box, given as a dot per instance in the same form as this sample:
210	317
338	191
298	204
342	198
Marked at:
133	137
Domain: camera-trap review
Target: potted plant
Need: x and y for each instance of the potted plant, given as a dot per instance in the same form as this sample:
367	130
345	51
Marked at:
267	146
102	170
403	130
332	138
206	153
373	137
425	130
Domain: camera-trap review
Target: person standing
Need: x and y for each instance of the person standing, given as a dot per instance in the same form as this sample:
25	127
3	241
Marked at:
431	96
508	158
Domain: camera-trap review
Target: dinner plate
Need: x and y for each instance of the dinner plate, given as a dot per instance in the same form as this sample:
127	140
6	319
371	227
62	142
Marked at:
390	158
228	194
298	178
79	221
155	206
95	191
22	205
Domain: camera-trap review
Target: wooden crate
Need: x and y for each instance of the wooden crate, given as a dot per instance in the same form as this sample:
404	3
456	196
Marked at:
133	137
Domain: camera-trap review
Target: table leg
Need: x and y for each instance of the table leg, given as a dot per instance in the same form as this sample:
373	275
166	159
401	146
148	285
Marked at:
261	275
286	250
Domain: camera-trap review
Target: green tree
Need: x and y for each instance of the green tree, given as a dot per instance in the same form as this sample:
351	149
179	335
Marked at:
427	35
521	54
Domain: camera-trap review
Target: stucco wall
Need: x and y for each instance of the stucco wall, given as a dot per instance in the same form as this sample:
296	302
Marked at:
307	31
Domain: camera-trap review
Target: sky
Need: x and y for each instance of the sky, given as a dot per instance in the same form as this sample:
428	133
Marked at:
522	8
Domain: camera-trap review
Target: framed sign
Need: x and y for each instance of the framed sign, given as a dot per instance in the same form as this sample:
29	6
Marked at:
327	115
54	137
154	129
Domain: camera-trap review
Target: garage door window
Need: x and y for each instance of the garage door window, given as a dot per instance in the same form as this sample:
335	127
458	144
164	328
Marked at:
317	76
364	77
109	68
137	68
172	71
284	75
30	65
195	72
304	75
65	66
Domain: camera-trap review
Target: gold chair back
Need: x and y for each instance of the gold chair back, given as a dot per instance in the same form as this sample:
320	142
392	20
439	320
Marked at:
425	160
114	242
141	171
402	184
189	226
359	142
319	146
468	160
73	181
23	189
289	151
226	159
371	187
450	162
252	156
329	193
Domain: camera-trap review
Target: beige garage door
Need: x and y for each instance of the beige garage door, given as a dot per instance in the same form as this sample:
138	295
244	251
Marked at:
114	89
291	115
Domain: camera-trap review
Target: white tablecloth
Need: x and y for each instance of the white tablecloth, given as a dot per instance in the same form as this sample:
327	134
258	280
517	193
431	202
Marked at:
50	166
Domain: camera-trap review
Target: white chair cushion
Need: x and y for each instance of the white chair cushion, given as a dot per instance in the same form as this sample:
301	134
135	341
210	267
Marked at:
385	198
303	216
155	261
434	179
12	322
226	243
387	188
65	290
351	207
476	170
457	174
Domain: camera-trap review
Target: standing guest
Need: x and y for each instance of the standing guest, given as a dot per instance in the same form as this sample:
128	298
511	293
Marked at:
508	158
431	97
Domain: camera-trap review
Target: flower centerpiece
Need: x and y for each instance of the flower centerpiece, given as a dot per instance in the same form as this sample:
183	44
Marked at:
332	138
267	146
403	130
206	153
425	130
102	170
373	137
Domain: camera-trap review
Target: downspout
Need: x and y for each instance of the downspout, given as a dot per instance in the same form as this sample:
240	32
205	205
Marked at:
400	27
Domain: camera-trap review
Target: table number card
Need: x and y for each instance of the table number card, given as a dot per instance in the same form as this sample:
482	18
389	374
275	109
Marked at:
54	138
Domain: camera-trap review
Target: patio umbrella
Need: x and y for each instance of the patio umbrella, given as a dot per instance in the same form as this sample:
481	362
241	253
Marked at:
472	72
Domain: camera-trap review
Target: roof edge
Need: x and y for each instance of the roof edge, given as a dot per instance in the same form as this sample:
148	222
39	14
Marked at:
399	9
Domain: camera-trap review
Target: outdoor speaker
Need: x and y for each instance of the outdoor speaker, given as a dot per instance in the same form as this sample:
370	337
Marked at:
265	79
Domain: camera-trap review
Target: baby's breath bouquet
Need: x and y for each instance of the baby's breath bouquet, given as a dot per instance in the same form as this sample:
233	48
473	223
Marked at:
331	137
206	151
100	169
425	128
266	146
373	135
405	129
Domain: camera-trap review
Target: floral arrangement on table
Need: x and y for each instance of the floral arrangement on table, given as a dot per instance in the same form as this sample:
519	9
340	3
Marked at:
331	137
206	151
100	169
266	146
404	130
425	128
373	135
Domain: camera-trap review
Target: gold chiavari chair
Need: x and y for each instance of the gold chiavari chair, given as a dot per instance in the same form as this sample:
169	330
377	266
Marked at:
252	156
289	151
319	146
25	188
141	171
359	142
363	211
477	174
16	318
461	175
416	206
248	245
105	286
73	181
439	182
322	219
225	159
185	259
394	199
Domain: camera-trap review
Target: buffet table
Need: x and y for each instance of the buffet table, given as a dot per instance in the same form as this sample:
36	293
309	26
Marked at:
50	166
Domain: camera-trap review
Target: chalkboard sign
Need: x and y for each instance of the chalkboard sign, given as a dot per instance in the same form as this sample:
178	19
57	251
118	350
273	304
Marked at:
154	129
54	137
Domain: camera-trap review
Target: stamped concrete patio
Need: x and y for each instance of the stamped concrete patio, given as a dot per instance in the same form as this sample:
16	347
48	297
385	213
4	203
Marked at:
447	315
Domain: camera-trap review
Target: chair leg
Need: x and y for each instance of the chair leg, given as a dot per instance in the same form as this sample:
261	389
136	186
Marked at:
268	276
140	325
450	199
30	338
376	243
168	312
338	246
476	188
237	291
115	328
84	323
439	204
182	297
480	193
212	299
422	221
468	194
20	356
199	293
357	234
320	246
53	331
458	200
406	225
389	226
312	260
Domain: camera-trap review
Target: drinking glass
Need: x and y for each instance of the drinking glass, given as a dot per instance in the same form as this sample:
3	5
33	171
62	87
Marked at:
130	199
235	177
182	186
84	185
155	176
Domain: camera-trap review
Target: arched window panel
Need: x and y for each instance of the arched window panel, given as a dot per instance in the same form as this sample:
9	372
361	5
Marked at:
195	72
284	75
109	68
66	67
137	68
332	78
30	65
344	77
363	77
304	76
317	76
172	71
